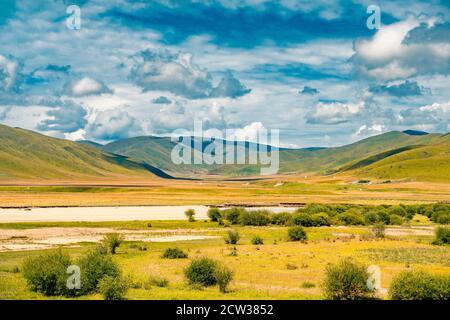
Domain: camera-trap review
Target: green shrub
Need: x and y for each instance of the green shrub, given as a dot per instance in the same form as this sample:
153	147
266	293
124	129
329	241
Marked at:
297	233
232	214
201	272
174	253
321	219
397	210
190	214
282	218
112	241
371	217
350	218
214	214
378	230
383	216
312	208
302	219
347	281
395	219
441	217
442	236
257	240
46	273
156	282
254	218
223	276
232	237
94	266
441	207
429	212
113	288
419	285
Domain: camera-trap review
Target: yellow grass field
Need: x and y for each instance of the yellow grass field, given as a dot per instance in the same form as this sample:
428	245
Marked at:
278	269
271	191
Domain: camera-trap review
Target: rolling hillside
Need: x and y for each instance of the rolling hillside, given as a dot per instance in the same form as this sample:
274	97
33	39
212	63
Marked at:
394	155
28	155
156	151
424	163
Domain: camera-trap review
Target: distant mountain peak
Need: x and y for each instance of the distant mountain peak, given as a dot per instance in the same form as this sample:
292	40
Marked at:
415	133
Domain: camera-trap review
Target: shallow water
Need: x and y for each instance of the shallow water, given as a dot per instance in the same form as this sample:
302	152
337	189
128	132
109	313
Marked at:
62	214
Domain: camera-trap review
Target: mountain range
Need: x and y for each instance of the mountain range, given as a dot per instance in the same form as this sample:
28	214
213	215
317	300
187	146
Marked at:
25	154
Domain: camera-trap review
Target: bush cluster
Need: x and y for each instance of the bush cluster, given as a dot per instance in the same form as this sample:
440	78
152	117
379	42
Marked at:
347	280
208	272
442	236
47	273
113	288
254	218
316	215
257	240
232	237
297	233
174	253
420	285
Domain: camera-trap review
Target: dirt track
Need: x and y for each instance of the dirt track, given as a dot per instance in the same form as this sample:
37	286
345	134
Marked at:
45	238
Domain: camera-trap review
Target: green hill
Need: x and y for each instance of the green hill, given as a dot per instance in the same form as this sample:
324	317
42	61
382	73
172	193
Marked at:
424	163
331	160
26	154
156	151
394	155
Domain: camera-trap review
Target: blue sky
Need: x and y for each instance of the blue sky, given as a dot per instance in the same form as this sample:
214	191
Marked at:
313	70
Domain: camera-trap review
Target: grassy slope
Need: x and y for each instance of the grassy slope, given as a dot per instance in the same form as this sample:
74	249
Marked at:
156	151
25	154
428	163
152	150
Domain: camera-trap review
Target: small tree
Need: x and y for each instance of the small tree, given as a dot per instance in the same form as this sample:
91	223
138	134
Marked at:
233	214
371	217
442	236
94	267
46	273
214	214
232	237
190	214
297	233
347	281
223	277
112	241
379	230
201	272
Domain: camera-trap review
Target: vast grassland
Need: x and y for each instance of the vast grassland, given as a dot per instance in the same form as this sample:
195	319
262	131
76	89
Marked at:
273	191
278	269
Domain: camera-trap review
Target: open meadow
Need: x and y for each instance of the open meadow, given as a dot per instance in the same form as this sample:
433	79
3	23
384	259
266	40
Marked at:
278	190
274	267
